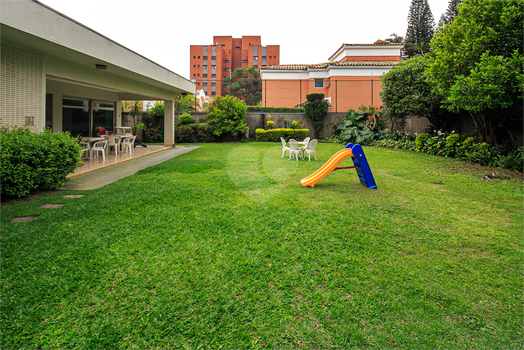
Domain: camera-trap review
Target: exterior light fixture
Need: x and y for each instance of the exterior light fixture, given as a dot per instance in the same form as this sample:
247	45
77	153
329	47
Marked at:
101	66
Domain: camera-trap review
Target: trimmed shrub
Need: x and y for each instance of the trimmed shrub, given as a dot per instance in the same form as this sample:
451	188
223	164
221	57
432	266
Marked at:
421	139
227	115
190	133
35	161
274	135
185	119
316	110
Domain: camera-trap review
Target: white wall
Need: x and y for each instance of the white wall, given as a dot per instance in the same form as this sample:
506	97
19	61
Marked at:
22	87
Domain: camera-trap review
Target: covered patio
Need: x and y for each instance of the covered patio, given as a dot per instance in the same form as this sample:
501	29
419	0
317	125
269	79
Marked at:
97	163
59	74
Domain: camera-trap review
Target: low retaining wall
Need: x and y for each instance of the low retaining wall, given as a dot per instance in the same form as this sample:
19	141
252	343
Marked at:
256	120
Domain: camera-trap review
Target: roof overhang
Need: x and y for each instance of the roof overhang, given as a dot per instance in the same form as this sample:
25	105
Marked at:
33	26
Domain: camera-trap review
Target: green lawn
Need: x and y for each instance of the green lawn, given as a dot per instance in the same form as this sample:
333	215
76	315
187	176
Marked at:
222	248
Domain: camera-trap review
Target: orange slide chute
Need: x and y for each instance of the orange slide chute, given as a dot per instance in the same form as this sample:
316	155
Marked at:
330	165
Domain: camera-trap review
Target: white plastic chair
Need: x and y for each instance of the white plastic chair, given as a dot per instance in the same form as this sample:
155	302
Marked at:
113	141
85	148
100	146
311	149
294	150
284	147
304	145
128	144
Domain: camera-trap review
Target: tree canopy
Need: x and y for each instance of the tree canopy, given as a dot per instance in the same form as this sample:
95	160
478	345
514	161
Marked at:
451	12
406	92
421	27
483	41
245	83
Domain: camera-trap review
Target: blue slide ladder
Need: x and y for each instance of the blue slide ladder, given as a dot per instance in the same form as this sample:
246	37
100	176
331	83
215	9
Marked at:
362	166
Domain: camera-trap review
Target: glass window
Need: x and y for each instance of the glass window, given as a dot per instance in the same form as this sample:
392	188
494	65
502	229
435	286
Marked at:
319	83
213	84
237	47
213	67
76	117
227	69
213	76
204	84
263	57
204	57
213	57
204	66
244	61
204	75
226	61
102	118
255	58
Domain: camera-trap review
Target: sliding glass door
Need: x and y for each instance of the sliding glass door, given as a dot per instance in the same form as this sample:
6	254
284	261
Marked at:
76	116
103	116
84	117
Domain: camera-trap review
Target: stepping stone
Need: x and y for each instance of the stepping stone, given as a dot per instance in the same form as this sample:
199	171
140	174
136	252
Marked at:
23	218
51	206
73	196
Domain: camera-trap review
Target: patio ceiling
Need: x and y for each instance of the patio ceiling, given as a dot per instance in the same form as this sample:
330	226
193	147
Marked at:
68	46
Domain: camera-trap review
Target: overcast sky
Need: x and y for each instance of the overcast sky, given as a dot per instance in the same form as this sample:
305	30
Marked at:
307	31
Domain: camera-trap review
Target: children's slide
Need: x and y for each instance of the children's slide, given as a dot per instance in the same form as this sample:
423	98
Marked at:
360	164
330	165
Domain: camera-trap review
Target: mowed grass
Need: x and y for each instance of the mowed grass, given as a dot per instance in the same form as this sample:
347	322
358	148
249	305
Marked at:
223	248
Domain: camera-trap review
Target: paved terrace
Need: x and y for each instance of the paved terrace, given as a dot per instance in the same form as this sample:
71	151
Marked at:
96	172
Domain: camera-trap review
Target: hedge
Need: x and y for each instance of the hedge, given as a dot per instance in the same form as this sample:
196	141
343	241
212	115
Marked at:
274	109
274	135
189	133
35	161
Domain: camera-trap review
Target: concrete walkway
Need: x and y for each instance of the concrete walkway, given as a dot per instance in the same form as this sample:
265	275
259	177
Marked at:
101	177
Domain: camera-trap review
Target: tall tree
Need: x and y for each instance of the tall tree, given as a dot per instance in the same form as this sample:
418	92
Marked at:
421	27
406	92
451	12
245	83
461	63
395	39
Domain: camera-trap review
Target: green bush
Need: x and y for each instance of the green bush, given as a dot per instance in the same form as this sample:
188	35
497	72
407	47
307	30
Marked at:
453	145
360	127
35	161
185	119
228	116
190	133
153	133
274	135
316	110
421	139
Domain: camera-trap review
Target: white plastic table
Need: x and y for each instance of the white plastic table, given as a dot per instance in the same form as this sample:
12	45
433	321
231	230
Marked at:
91	140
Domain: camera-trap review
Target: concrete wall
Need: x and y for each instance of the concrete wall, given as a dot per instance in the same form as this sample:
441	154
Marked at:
256	120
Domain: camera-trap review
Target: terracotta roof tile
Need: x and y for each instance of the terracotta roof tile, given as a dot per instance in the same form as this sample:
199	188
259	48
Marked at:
332	64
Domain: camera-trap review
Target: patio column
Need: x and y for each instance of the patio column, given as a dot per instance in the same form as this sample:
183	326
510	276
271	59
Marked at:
169	123
118	110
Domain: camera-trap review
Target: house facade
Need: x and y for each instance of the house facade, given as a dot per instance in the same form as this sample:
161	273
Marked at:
209	64
349	79
58	73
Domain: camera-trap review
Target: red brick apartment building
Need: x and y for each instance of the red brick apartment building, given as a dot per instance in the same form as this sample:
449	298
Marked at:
209	64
